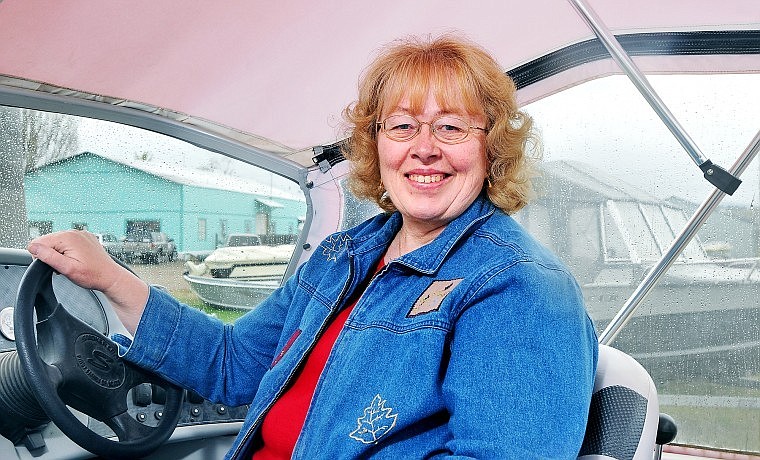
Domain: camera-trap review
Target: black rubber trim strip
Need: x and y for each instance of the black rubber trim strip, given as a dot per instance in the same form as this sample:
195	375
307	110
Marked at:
642	44
332	153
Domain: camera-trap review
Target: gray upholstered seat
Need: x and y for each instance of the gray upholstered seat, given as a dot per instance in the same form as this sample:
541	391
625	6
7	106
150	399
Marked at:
624	412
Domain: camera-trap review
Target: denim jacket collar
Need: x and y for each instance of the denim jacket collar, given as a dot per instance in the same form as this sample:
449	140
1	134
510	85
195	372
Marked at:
429	258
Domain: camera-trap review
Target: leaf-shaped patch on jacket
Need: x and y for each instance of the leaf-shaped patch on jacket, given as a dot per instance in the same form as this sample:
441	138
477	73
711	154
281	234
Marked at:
376	422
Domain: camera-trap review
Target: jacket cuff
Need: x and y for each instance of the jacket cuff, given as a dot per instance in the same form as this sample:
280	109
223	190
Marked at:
158	322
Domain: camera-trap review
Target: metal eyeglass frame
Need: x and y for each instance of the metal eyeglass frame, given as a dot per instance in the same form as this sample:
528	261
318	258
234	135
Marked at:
381	127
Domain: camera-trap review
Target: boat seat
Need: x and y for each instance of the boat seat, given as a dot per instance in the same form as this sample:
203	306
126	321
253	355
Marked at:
624	413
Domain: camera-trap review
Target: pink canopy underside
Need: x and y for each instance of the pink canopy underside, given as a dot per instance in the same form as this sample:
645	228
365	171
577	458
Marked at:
285	70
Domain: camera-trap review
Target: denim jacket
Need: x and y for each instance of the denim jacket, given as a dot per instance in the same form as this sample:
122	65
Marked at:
476	345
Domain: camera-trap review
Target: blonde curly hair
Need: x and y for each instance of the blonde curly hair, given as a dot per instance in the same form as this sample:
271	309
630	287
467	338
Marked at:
461	74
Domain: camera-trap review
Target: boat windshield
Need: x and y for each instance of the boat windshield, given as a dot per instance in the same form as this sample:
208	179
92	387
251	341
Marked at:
649	229
243	240
169	204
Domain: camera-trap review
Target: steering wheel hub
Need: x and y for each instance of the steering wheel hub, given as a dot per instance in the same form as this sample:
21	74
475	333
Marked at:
98	358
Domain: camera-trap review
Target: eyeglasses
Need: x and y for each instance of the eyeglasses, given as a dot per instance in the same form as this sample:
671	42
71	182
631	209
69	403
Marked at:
447	129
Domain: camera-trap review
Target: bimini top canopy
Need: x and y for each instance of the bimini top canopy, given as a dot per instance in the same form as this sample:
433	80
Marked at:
278	74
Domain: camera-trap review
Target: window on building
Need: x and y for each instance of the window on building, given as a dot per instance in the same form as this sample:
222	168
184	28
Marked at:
201	229
262	223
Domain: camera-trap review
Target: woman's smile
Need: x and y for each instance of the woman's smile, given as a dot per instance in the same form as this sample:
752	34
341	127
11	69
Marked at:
425	178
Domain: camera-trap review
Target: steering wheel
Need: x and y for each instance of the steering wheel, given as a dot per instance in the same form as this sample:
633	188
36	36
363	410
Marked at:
70	363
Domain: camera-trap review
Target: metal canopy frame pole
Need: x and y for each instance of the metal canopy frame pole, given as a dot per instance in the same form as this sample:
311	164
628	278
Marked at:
724	181
719	177
678	245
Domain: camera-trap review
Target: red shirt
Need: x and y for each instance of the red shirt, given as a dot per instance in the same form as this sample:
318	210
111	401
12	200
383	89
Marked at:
283	423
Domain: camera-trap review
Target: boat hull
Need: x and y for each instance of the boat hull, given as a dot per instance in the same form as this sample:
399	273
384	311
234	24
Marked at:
230	292
709	331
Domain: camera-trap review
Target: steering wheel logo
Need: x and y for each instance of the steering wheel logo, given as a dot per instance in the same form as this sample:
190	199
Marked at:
97	357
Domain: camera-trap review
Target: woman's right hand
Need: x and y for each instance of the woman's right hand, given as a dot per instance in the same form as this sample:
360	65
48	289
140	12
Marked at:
80	257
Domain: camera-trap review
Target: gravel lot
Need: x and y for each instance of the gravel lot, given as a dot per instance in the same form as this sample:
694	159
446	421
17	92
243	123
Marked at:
168	274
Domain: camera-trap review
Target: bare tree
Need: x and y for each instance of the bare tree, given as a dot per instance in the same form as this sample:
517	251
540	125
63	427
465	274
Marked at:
226	166
28	140
48	137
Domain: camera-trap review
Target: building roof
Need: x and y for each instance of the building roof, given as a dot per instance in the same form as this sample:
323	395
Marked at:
588	183
201	178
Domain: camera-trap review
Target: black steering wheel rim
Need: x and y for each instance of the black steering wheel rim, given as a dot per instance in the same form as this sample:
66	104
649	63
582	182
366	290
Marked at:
35	294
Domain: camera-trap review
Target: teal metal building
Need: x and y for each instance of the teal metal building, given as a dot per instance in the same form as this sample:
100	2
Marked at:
104	196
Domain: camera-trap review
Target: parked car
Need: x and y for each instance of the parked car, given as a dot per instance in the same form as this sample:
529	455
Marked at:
149	247
111	244
243	239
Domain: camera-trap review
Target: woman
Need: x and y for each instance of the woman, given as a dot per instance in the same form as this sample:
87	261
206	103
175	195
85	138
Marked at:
437	329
